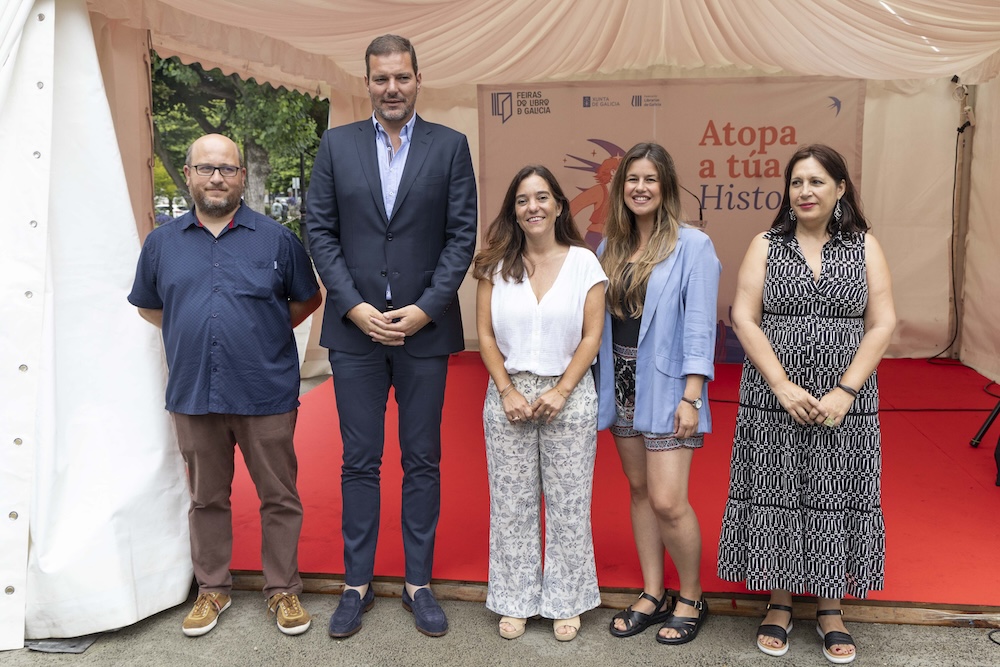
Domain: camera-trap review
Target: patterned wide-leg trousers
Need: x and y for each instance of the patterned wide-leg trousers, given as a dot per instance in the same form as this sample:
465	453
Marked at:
526	461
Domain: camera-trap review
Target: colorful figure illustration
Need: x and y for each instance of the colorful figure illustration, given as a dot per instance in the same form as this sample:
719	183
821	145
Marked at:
592	228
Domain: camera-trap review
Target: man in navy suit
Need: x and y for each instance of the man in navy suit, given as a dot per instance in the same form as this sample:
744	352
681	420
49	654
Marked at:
392	229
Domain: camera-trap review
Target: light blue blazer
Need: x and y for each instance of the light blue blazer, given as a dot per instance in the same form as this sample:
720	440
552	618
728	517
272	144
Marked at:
676	337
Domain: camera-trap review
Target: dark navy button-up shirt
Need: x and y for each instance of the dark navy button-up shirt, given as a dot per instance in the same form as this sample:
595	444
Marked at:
226	322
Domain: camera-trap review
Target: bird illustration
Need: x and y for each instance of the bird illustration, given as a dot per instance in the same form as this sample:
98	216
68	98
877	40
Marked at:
835	104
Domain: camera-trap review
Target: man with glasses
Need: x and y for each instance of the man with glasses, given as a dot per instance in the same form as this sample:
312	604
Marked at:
391	225
227	285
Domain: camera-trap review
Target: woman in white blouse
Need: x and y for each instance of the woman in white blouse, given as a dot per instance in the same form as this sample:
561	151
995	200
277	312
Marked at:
539	314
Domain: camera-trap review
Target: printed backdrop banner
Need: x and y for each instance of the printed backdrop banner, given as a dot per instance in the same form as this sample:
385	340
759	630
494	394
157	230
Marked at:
730	140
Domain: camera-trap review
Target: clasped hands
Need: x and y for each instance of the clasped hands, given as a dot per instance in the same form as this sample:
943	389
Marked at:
391	327
804	408
544	409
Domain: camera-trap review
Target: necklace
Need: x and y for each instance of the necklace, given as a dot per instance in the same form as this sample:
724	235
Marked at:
543	259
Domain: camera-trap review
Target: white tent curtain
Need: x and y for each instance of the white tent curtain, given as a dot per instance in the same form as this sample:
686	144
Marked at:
981	313
92	486
21	344
906	186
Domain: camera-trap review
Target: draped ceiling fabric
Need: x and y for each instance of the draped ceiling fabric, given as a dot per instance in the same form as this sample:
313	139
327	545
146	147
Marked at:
87	459
321	43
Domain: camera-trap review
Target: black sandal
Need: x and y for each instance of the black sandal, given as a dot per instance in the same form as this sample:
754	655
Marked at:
833	638
636	621
775	632
686	626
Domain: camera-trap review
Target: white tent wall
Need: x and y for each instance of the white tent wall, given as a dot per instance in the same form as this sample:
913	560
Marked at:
981	312
25	129
91	483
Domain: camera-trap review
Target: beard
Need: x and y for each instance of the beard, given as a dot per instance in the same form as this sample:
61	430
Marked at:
399	113
217	208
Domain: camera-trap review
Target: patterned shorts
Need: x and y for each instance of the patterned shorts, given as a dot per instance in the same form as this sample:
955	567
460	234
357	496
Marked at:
625	407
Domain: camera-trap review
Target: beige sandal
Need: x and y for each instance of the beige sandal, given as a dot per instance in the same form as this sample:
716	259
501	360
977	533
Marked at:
572	623
516	623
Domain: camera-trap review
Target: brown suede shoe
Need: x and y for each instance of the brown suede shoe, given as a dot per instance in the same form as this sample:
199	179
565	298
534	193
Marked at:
292	619
205	613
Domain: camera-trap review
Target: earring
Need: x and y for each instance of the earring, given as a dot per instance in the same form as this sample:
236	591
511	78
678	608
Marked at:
791	214
837	212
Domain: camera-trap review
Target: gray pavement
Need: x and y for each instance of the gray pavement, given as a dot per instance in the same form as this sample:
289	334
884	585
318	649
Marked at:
246	635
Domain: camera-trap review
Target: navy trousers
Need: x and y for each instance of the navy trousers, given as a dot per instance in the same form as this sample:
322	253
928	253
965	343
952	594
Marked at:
361	383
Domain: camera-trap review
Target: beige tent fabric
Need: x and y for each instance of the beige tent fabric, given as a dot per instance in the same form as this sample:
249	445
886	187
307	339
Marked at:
909	147
301	42
981	320
124	56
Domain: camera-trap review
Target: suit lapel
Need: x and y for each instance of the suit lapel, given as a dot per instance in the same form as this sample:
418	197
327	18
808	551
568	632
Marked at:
420	145
658	280
369	164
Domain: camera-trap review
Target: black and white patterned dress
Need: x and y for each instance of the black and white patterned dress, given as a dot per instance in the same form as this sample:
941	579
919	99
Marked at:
804	512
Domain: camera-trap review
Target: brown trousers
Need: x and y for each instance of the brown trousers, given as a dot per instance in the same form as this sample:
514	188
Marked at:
207	444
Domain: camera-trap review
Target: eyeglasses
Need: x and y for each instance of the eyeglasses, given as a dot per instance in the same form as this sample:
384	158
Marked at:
227	170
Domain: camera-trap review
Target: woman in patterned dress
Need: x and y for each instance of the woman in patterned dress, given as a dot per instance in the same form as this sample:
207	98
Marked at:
539	314
654	366
814	313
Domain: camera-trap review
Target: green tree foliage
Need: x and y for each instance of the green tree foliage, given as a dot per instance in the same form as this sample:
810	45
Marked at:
163	185
274	127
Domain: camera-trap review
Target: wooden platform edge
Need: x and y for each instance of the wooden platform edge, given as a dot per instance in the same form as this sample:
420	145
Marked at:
730	604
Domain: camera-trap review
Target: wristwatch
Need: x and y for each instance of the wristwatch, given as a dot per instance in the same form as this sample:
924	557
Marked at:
695	402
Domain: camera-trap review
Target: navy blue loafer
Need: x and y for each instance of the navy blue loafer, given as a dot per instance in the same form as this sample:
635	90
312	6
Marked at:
347	619
427	613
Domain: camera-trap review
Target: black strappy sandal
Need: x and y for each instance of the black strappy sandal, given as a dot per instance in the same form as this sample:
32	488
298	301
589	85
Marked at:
775	632
833	638
686	626
636	621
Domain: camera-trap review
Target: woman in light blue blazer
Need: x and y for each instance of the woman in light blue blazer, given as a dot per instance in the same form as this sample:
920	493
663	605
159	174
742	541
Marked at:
655	361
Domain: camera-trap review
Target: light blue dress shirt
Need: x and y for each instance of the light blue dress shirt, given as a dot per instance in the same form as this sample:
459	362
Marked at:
391	162
390	167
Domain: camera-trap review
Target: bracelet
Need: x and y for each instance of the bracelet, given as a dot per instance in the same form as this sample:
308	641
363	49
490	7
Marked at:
559	391
506	390
852	392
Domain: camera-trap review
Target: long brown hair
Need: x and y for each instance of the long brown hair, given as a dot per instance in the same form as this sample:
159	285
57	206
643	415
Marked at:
853	219
505	239
622	235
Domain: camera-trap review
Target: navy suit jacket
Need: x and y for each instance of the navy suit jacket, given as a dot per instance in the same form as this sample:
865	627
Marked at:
423	251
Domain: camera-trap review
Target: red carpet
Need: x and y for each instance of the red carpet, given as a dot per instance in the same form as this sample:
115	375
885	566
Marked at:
939	494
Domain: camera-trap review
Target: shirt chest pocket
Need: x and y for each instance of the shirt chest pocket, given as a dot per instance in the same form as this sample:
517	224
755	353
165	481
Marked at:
255	279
